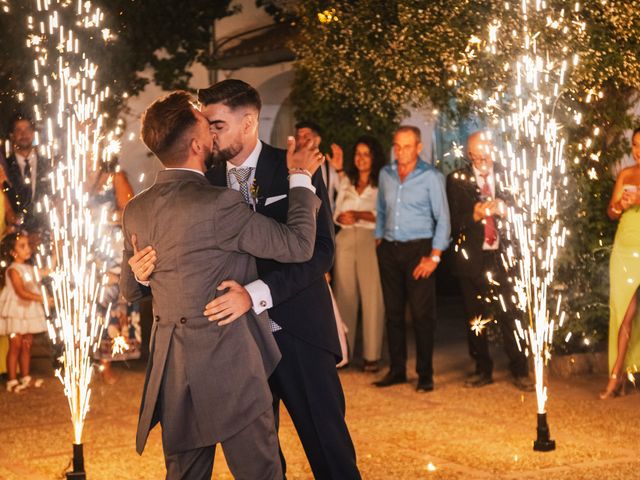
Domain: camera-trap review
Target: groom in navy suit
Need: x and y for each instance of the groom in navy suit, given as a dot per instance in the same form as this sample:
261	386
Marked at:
296	295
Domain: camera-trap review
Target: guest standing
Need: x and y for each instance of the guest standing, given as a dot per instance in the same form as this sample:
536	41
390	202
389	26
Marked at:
355	274
412	229
478	207
624	320
332	170
27	177
109	192
7	220
21	310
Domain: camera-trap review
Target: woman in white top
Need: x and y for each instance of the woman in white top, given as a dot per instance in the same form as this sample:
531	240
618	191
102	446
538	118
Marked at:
356	274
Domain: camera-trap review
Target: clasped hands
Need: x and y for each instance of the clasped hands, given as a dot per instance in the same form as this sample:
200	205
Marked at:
224	309
489	208
349	217
629	199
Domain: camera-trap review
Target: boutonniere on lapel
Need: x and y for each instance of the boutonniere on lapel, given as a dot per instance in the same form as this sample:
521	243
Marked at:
254	193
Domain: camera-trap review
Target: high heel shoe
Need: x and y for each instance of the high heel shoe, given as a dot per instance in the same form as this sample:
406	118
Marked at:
615	387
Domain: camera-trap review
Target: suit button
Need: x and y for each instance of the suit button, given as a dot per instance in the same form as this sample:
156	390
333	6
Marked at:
157	318
183	320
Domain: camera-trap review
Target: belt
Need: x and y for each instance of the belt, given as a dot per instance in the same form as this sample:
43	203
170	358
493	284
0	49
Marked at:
408	242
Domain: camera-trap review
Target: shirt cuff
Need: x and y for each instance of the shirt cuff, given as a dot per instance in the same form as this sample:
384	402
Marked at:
300	180
260	294
144	284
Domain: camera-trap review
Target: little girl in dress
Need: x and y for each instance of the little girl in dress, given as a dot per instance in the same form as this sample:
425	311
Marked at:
21	310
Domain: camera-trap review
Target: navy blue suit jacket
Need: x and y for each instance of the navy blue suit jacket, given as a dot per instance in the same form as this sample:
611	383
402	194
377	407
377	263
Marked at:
301	300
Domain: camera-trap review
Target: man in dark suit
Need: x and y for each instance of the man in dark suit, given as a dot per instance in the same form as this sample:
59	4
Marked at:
27	173
296	295
207	383
331	175
478	210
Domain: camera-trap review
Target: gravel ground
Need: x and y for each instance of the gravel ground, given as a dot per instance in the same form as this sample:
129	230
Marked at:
398	433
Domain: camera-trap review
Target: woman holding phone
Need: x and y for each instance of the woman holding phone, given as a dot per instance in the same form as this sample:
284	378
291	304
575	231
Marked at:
624	321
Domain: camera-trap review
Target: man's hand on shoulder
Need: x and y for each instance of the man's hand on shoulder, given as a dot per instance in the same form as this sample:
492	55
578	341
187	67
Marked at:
230	306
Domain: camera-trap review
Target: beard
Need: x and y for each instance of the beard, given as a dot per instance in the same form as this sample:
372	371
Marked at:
209	161
221	156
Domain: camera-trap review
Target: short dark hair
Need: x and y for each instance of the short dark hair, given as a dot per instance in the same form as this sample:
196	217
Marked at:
378	160
165	123
410	128
314	127
635	132
232	93
19	117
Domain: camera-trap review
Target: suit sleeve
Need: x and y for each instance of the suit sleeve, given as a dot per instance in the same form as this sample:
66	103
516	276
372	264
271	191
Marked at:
130	289
237	228
290	279
19	193
460	206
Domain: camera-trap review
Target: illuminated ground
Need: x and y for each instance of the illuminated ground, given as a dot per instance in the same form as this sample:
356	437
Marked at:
465	434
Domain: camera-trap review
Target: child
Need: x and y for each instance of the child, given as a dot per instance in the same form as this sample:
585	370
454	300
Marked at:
21	309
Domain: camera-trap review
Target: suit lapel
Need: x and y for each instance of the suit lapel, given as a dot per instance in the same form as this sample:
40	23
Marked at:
470	185
265	170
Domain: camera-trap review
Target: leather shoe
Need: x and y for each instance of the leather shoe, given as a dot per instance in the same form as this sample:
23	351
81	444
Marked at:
472	373
425	384
524	383
391	378
478	381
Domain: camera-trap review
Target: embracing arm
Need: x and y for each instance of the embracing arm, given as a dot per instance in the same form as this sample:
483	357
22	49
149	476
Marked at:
289	279
238	228
284	282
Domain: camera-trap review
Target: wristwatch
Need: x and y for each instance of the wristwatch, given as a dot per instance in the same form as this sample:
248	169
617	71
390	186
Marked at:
436	258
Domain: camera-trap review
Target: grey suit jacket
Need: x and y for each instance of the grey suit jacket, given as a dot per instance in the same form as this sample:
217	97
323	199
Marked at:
204	382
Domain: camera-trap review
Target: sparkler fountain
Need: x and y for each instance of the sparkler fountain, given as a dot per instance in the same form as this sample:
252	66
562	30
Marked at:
69	104
525	111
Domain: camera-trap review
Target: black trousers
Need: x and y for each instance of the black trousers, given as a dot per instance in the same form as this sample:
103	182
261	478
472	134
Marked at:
397	260
475	289
307	382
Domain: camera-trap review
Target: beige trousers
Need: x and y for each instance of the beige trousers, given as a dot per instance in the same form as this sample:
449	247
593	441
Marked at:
357	280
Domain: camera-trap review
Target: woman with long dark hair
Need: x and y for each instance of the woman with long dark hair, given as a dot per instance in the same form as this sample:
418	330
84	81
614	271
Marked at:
624	319
356	274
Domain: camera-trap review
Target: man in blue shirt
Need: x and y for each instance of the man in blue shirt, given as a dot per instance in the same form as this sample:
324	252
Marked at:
412	230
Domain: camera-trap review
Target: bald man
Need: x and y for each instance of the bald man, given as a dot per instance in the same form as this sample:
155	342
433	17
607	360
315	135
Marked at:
478	211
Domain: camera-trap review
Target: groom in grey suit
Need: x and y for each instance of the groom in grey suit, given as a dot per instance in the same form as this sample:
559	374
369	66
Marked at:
206	383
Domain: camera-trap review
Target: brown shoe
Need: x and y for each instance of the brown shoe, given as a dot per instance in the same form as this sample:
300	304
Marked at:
524	384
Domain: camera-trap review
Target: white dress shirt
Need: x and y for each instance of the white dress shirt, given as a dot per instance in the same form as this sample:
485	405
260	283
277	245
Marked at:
349	199
33	165
491	179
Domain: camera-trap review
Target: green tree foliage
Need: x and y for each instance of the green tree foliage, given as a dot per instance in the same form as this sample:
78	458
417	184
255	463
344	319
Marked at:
362	63
166	35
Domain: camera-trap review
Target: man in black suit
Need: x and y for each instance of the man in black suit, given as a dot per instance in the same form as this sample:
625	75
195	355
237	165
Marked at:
296	295
27	173
478	210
